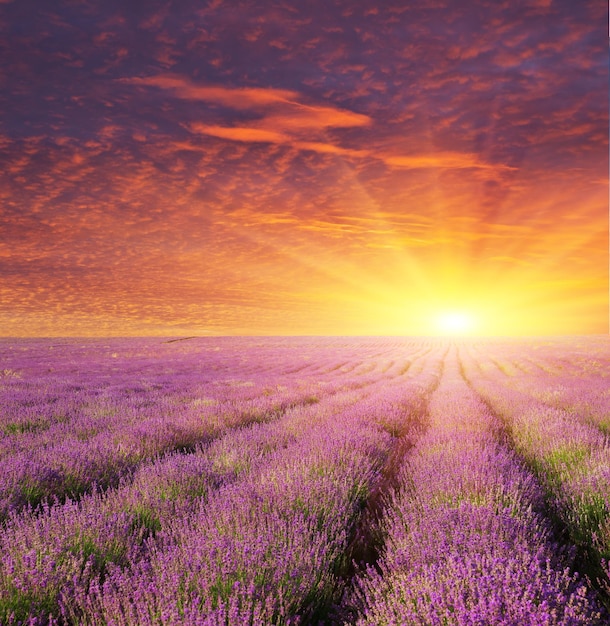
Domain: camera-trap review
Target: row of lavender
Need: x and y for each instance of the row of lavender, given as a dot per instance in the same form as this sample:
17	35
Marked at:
255	522
557	410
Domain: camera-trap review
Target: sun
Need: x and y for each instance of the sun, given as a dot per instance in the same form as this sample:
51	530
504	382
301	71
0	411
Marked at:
455	323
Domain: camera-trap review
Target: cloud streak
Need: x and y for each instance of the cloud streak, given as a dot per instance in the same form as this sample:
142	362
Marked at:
284	119
237	98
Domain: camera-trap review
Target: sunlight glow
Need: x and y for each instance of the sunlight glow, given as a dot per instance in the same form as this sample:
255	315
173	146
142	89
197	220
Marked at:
455	323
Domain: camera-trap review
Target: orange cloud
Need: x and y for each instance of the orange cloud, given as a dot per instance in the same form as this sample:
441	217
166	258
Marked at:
449	160
303	116
234	97
241	133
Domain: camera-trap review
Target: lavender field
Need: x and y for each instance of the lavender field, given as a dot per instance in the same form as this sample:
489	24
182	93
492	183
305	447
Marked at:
369	481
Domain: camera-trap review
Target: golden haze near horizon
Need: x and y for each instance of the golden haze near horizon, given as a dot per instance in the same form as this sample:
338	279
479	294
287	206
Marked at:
305	168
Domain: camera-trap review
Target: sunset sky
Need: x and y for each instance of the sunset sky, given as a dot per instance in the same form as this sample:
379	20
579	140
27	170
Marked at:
409	167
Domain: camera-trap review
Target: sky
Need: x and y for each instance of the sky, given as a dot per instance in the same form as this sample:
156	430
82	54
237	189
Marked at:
329	167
